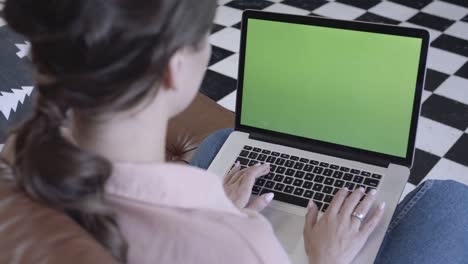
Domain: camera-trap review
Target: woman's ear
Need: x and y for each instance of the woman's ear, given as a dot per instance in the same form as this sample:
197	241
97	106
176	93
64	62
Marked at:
172	71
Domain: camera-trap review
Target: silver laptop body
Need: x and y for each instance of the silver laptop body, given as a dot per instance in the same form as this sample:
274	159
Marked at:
307	152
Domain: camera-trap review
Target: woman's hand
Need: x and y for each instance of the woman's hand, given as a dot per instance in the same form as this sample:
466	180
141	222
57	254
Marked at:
338	236
238	186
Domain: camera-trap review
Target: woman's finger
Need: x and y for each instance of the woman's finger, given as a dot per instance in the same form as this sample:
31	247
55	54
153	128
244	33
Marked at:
351	202
337	201
259	203
310	221
257	170
364	206
368	227
247	182
311	217
232	172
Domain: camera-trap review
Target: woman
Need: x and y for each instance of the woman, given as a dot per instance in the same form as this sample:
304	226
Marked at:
120	70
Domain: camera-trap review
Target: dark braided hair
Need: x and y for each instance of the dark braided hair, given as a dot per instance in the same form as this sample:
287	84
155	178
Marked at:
92	56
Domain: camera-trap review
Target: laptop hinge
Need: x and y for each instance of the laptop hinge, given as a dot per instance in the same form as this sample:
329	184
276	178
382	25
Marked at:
320	149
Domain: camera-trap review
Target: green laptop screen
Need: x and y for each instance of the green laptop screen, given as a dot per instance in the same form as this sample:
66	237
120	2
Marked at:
340	86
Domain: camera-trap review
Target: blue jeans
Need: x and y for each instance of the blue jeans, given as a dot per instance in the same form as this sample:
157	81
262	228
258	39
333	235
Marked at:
429	226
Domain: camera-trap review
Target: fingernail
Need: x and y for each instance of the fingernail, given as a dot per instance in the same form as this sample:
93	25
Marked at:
257	164
311	203
237	164
361	189
373	192
346	189
382	206
269	197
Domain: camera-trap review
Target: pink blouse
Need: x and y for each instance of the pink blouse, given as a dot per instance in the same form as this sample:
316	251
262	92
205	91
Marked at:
173	213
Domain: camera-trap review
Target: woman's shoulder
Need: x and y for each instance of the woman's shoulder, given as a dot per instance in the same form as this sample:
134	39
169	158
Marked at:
202	236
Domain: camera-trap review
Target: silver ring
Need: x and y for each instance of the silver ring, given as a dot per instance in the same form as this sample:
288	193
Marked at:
359	216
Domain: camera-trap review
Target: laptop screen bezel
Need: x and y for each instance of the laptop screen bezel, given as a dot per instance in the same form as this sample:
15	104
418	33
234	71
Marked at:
358	154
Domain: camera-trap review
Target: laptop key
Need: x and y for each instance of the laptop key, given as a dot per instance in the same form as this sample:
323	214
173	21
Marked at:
339	183
304	160
335	191
349	185
278	178
288	189
260	182
324	164
273	167
287	198
257	149
280	170
299	174
299	166
335	167
365	173
309	176
318	196
358	179
318	170
290	172
269	184
294	158
270	176
280	161
345	169
298	182
243	161
262	157
308	194
329	181
256	189
307	185
279	186
317	187
376	176
289	163
327	189
247	147
252	163
328	172
338	174
275	154
325	207
298	191
354	171
371	182
253	155
288	180
313	162
319	178
348	177
244	153
285	156
266	151
271	159
308	168
328	198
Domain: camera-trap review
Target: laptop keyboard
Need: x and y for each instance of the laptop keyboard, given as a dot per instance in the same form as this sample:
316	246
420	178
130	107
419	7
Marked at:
296	180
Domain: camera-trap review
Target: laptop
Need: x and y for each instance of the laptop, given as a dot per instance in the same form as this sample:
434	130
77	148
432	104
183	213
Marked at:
328	103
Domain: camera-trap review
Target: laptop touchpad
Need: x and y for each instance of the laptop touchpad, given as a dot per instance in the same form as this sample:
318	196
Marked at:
288	227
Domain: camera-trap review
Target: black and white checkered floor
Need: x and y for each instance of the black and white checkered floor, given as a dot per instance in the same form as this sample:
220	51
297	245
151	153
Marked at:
442	139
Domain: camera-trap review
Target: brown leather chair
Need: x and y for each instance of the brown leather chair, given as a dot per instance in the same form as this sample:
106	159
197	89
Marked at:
33	233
